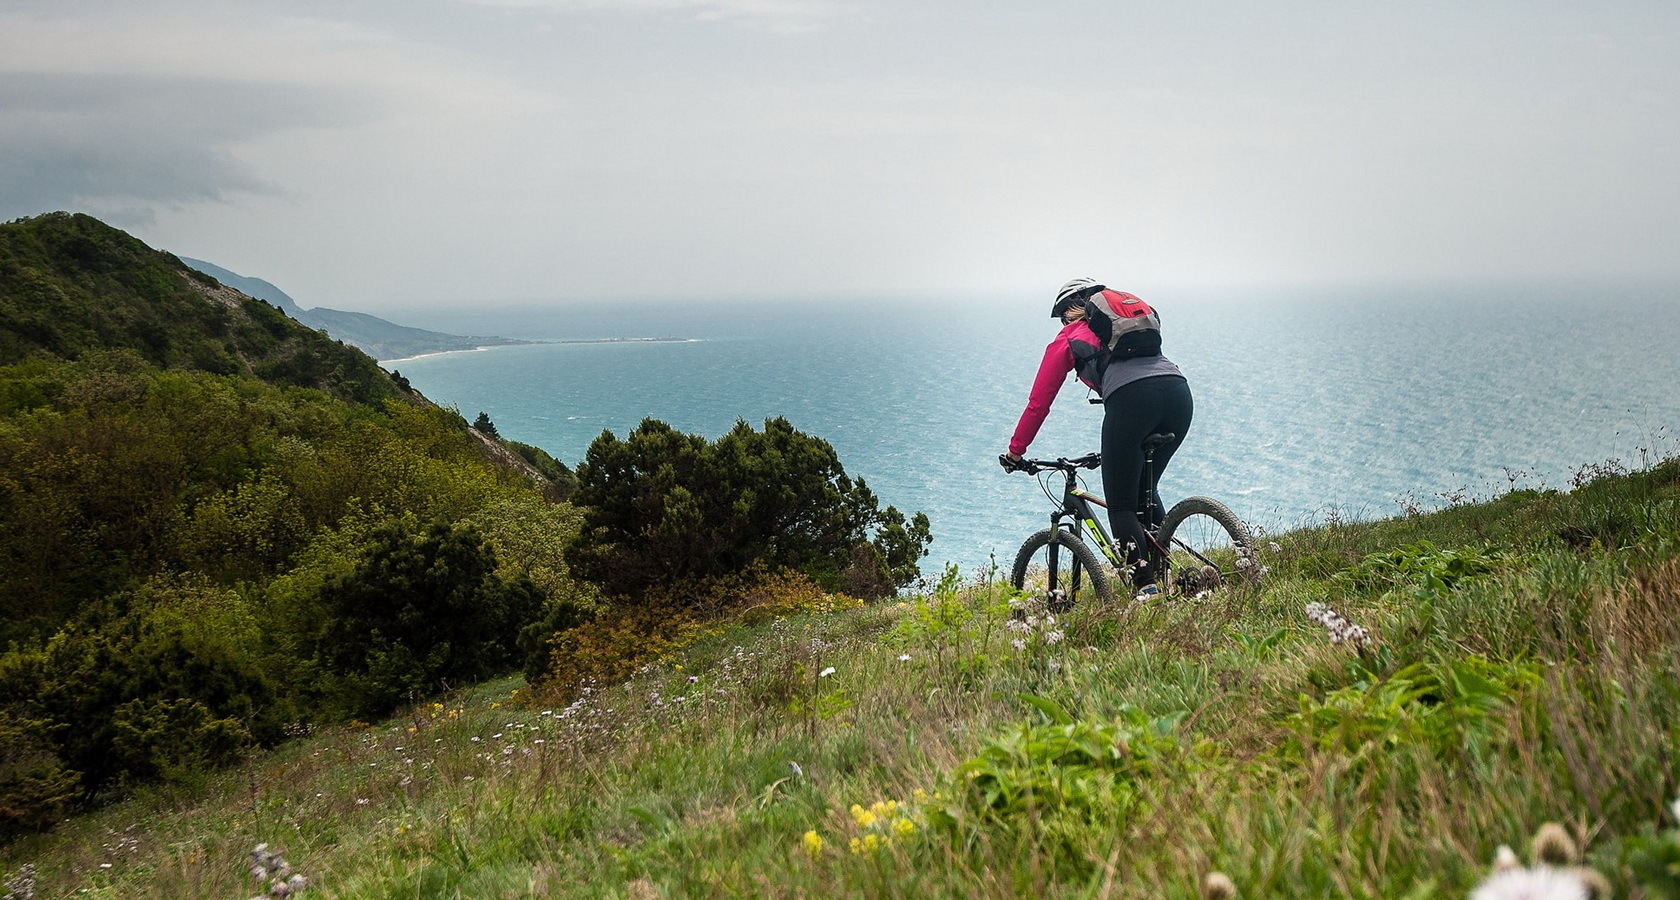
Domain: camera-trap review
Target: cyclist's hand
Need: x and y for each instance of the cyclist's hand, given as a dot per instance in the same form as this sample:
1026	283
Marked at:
1011	462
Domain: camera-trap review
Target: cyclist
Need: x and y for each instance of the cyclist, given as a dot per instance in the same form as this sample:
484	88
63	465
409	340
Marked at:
1142	393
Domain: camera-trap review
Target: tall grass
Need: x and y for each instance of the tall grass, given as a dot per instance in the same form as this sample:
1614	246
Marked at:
1522	669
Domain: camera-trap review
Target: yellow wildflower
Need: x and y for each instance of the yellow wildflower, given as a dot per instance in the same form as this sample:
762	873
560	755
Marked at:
903	827
813	842
863	817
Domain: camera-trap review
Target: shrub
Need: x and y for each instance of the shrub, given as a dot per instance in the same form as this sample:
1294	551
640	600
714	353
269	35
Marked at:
163	683
664	507
35	787
608	647
421	610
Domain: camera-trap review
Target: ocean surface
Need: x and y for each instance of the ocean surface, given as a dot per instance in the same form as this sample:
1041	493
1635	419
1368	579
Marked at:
1310	405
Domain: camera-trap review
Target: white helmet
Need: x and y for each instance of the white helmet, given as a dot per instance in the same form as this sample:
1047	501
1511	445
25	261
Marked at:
1071	293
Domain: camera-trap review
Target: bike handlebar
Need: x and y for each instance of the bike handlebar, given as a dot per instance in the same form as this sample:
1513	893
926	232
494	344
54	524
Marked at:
1035	466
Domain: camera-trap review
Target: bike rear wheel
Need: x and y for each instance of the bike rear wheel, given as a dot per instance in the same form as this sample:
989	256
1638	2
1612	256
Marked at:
1208	547
1064	566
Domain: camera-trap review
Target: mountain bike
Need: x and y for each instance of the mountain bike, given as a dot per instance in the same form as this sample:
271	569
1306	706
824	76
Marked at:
1200	545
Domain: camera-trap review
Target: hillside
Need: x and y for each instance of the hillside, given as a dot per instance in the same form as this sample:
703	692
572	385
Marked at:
374	336
1513	666
71	285
216	523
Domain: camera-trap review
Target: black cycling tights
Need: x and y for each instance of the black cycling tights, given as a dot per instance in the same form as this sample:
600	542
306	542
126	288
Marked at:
1133	412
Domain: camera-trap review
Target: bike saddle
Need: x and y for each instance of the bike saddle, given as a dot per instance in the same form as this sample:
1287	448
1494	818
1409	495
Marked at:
1157	441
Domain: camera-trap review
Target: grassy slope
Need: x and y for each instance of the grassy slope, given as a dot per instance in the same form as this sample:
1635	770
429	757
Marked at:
1300	768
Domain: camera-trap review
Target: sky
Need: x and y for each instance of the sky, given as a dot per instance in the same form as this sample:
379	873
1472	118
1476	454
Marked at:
392	156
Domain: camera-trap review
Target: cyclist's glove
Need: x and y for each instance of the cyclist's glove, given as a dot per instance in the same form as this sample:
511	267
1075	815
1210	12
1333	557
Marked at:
1009	465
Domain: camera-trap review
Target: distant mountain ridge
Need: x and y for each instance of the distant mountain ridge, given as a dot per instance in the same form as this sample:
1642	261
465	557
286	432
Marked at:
378	338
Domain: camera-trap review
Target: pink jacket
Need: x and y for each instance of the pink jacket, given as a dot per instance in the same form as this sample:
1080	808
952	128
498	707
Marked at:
1052	373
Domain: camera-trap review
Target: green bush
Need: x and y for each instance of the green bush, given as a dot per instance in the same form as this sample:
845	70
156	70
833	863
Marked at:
422	610
35	787
663	507
163	683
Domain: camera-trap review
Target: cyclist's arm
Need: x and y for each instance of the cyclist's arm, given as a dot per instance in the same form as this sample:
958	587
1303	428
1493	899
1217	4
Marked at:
1052	372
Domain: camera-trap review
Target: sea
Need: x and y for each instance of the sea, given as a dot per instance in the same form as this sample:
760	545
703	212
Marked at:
1312	405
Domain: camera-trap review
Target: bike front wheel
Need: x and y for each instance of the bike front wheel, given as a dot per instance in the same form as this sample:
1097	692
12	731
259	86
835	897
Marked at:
1208	547
1064	567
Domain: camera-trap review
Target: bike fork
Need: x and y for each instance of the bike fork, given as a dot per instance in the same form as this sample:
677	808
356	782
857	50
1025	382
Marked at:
1057	595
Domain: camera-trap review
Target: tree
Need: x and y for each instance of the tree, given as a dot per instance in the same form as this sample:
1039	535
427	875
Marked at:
422	609
485	426
662	507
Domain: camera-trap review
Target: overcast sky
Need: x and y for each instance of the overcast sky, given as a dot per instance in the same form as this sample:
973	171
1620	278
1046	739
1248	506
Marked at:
391	155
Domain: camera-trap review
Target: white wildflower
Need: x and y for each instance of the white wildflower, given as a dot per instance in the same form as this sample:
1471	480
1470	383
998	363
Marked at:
1341	630
904	657
1018	644
1539	883
826	672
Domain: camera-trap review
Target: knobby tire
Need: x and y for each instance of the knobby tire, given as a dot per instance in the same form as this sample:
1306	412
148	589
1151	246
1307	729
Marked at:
1079	572
1217	534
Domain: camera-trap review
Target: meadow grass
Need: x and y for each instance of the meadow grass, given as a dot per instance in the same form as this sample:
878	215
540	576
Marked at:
1521	669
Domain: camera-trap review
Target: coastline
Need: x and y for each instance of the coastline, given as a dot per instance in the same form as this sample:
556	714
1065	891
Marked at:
617	340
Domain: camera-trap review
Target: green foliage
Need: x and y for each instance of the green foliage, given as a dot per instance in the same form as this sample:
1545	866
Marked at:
1655	861
156	684
1056	782
1421	564
149	518
557	473
35	787
665	507
71	285
1445	709
421	610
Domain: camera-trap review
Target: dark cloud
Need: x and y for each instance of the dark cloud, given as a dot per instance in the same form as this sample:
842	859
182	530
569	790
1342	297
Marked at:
127	142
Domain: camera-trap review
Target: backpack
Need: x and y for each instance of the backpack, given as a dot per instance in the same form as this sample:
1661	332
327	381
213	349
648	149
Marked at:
1127	327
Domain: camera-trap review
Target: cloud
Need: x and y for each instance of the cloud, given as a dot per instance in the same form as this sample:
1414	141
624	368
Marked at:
768	15
122	114
123	142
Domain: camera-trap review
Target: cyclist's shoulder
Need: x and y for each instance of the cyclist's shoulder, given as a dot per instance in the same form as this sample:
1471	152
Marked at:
1078	330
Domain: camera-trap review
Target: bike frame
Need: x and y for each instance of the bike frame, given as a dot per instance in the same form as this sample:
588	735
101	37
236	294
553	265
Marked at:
1078	512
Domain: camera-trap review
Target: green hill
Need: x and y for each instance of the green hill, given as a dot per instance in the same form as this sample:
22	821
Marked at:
216	523
71	285
1516	668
